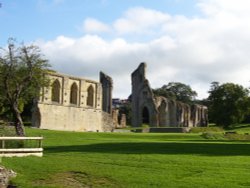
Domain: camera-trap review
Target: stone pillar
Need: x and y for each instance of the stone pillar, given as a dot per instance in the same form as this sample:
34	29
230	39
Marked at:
82	93
115	113
65	92
107	88
99	96
123	122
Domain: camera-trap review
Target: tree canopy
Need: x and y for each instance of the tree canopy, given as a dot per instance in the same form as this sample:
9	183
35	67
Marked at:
177	91
228	103
22	71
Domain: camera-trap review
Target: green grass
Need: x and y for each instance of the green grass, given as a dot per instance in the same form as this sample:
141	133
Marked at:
133	160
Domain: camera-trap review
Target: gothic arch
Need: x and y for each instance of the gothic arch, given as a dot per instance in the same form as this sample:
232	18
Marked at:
55	93
73	93
145	115
90	97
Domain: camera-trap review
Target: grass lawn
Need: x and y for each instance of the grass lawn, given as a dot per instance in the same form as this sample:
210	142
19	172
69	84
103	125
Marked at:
133	160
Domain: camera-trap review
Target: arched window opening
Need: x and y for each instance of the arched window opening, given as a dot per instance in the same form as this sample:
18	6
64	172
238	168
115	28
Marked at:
73	94
56	91
90	97
145	116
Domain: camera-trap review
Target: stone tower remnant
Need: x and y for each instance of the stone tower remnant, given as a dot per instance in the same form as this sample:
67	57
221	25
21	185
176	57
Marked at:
107	88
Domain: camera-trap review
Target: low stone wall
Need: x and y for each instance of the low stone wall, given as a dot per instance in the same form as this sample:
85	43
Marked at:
164	130
58	117
107	122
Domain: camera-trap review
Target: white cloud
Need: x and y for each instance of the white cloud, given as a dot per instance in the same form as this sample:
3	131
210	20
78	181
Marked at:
140	20
214	7
92	25
196	51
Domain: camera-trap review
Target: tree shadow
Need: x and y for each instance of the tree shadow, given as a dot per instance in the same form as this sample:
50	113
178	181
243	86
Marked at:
206	149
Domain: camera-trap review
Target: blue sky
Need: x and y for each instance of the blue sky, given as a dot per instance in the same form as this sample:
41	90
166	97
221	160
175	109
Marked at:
30	20
191	41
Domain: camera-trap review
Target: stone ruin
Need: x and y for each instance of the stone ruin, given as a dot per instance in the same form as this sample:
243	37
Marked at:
119	123
5	176
75	104
160	111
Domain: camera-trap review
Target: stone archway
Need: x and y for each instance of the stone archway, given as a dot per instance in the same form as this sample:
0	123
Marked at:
145	116
162	115
90	97
73	94
55	93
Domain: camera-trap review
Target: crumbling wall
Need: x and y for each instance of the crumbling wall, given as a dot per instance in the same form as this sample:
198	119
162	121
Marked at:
144	110
107	87
74	104
160	111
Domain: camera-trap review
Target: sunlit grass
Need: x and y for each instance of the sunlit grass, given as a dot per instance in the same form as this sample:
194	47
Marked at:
133	160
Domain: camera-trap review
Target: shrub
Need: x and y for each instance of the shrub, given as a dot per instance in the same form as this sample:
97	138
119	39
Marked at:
213	136
236	136
206	129
6	130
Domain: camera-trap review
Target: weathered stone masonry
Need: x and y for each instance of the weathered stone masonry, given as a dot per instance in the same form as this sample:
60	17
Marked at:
160	111
74	104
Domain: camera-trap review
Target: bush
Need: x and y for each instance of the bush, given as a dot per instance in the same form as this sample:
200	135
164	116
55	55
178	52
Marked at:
236	136
206	129
7	130
213	136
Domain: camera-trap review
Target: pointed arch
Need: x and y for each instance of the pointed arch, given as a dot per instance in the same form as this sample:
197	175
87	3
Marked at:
90	97
145	115
73	93
55	93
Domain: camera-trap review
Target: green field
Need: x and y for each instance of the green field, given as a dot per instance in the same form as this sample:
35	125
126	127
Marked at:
133	160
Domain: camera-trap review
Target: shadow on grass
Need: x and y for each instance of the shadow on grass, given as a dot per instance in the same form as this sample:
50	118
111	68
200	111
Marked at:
207	149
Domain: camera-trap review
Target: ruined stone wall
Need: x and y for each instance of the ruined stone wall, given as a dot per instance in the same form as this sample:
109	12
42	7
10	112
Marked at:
160	111
142	99
107	87
70	103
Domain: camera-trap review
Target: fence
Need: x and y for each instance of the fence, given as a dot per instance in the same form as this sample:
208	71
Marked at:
17	149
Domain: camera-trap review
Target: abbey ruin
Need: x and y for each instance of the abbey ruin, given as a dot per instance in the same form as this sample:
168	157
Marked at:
160	111
75	104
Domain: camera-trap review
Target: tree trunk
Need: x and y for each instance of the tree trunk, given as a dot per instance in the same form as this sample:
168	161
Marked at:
20	131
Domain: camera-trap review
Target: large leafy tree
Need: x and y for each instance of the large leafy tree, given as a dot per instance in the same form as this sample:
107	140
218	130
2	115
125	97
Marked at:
228	103
22	70
177	91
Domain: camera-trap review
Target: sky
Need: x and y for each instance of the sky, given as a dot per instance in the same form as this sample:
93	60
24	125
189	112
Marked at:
195	42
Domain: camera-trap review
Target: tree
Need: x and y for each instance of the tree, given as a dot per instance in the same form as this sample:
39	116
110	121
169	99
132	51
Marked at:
228	103
177	91
22	70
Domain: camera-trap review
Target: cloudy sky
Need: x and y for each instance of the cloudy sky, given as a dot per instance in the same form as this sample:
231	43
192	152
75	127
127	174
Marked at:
191	41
